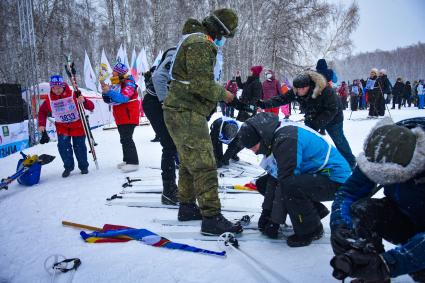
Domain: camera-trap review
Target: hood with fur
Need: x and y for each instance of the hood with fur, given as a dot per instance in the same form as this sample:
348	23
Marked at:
392	173
318	83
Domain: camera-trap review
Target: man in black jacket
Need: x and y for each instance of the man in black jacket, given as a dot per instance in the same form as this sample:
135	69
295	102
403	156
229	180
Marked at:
321	107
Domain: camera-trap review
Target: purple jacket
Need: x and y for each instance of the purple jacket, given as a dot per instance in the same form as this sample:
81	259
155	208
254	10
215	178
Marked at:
271	88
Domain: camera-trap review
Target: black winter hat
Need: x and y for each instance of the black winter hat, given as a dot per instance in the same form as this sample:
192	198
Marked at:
301	80
248	136
391	144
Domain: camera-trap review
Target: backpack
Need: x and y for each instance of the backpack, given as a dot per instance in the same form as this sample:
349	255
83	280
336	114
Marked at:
158	77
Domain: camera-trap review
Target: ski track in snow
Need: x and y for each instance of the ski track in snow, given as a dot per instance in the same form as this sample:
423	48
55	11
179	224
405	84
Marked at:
31	229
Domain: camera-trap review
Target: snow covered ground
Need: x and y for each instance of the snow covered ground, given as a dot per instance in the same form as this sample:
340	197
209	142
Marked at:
31	229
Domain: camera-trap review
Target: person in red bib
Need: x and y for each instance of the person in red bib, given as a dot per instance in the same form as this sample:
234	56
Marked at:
122	94
62	103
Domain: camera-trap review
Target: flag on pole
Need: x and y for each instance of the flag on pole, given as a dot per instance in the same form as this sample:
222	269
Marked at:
89	76
133	69
157	59
105	70
126	58
120	55
142	67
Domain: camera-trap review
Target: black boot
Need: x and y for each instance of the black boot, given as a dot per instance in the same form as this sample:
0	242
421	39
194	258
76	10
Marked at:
235	158
66	173
305	240
189	211
218	224
322	210
169	193
271	230
264	219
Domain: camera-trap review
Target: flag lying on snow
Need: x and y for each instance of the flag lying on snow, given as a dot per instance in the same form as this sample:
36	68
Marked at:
115	233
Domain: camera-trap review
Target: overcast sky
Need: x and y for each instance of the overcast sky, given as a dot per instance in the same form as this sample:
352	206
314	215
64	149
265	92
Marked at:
388	24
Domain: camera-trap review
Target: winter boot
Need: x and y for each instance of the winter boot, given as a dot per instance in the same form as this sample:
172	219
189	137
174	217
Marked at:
84	171
129	168
235	158
189	211
305	240
321	209
271	230
218	224
66	173
169	193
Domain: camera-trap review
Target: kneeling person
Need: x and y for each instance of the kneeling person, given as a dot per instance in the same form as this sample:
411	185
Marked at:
394	157
307	167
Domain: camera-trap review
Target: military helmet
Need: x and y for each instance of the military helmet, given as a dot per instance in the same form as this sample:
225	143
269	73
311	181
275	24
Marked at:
227	20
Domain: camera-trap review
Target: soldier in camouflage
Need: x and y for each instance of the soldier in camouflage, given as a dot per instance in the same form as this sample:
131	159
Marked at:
192	96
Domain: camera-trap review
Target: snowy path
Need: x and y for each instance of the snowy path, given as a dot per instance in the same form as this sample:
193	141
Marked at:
31	230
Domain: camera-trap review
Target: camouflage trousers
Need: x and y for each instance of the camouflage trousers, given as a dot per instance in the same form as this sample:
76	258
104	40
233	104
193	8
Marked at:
198	170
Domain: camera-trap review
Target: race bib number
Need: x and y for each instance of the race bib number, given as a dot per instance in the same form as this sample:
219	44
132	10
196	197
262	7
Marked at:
64	110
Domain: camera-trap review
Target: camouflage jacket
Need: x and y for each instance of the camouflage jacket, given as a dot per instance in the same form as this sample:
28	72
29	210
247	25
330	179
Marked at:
193	87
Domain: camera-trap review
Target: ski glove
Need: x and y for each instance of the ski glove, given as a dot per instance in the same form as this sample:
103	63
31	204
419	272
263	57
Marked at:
44	137
117	97
77	93
341	239
357	264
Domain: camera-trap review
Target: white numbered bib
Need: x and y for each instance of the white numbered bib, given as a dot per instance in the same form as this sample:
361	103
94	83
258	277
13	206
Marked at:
64	110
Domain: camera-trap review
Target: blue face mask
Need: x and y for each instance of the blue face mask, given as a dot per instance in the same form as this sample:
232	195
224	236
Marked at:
220	42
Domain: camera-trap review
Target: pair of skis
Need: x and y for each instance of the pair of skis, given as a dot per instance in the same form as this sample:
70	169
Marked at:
71	72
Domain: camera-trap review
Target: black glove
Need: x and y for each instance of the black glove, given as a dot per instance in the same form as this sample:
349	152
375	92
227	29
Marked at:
260	104
271	230
106	98
44	137
77	93
340	239
322	132
357	264
264	219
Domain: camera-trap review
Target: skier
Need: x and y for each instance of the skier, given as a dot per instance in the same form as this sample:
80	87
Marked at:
308	170
321	106
375	96
394	157
192	96
62	103
122	94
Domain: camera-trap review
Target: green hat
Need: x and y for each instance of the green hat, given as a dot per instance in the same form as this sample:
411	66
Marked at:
391	144
222	22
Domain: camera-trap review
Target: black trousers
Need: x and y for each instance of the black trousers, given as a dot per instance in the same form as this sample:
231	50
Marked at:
154	112
128	147
299	195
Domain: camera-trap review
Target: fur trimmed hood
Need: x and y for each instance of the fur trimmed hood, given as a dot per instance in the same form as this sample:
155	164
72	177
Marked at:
392	173
319	83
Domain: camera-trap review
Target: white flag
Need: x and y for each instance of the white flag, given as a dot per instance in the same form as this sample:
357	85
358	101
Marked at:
142	67
157	59
89	76
126	58
105	70
120	55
